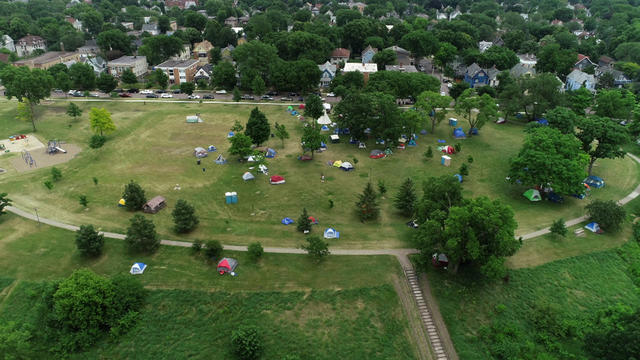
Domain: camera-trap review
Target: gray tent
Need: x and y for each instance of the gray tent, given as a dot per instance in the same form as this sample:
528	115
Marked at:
248	176
227	265
220	160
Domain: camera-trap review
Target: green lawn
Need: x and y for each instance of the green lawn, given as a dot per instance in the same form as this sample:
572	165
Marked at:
153	145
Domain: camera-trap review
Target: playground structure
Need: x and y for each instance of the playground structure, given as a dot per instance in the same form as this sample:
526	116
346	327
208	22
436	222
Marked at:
28	159
55	146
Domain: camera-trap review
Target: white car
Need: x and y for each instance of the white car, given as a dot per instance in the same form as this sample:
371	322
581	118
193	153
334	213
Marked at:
331	95
221	92
194	96
146	92
166	95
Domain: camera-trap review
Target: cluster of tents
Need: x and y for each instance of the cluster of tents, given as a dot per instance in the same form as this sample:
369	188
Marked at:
343	165
329	233
590	182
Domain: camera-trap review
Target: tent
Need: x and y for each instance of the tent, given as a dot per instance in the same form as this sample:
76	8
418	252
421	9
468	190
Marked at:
362	145
439	260
334	139
294	113
220	160
287	221
211	148
423	132
313	220
388	151
553	197
473	131
447	149
346	166
326	106
154	205
324	128
412	142
200	152
459	177
301	106
263	169
324	119
138	268
270	153
227	265
331	233
458	133
532	195
543	122
304	158
276	180
192	119
501	120
337	163
230	134
594	227
594	181
248	176
121	202
323	145
376	154
289	108
251	158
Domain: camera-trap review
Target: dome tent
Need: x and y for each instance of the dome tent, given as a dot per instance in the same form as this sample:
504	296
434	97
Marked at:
227	265
137	268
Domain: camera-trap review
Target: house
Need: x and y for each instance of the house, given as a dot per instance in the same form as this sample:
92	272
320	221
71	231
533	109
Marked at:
577	79
474	75
137	64
184	54
203	73
127	25
528	59
28	44
173	25
619	78
225	53
154	205
521	69
583	62
358	5
557	22
48	59
77	24
231	21
365	69
367	54
328	73
151	29
403	56
524	16
201	51
339	55
182	4
484	45
90	47
401	68
98	64
7	43
605	61
243	20
179	71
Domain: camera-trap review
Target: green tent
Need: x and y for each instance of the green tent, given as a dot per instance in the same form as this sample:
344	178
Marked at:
532	195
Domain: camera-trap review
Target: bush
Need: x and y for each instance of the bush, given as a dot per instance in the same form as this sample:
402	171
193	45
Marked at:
196	247
429	153
457	147
558	227
89	241
470	159
382	187
83	201
246	343
213	250
608	214
95	181
56	174
255	251
464	169
96	141
48	184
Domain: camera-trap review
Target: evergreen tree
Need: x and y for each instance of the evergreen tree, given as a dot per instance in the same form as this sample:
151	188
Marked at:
141	235
429	153
382	187
406	198
133	196
317	248
367	205
304	224
258	128
184	217
464	169
89	241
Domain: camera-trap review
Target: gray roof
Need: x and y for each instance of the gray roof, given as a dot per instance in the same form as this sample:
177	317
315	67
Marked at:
127	60
492	73
398	50
178	63
401	68
150	27
521	69
580	77
473	69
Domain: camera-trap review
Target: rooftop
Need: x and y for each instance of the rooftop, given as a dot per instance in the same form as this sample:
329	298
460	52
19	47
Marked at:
45	58
363	68
177	63
127	59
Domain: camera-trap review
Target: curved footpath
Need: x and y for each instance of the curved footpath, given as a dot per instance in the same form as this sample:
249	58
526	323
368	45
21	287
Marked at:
439	339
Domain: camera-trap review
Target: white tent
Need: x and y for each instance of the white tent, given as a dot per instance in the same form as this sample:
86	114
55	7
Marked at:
137	268
331	233
248	176
324	119
346	166
326	106
251	159
334	138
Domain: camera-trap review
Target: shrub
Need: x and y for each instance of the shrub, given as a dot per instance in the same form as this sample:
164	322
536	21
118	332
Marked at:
96	141
255	251
83	201
464	169
470	159
56	174
457	147
246	343
429	153
95	181
196	247
89	241
213	250
48	184
558	227
317	248
382	188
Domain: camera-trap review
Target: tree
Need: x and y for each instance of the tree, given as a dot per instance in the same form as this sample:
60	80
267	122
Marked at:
406	198
382	187
28	86
317	248
601	138
164	24
384	58
215	56
563	119
468	101
541	93
236	94
15	341
84	202
551	59
187	87
141	235
501	57
184	217
257	85
420	42
4	202
614	334
240	145
246	343
311	139
614	104
255	251
74	111
464	169
458	88
100	121
258	128
608	214
304	223
89	241
281	133
428	154
128	77
439	195
56	174
558	227
549	157
160	78
82	76
114	43
161	47
213	250
313	107
224	76
106	83
134	196
367	206
445	54
580	100
434	105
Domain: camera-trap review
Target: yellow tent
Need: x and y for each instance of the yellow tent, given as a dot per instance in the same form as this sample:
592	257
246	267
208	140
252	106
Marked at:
121	202
337	163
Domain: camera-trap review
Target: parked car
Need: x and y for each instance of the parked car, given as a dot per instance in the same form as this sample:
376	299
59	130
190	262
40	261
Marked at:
177	91
146	91
94	95
286	99
221	92
331	95
193	96
134	90
208	96
160	91
292	94
166	95
247	97
77	94
152	96
123	95
266	97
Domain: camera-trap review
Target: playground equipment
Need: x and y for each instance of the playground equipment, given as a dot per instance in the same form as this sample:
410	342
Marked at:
26	156
54	146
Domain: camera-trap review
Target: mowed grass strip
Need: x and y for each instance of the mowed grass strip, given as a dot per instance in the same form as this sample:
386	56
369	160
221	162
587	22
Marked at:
153	146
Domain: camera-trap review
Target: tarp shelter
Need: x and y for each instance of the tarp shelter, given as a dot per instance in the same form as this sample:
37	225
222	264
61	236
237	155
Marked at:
594	227
459	177
227	265
402	140
439	260
211	148
324	128
248	176
458	133
220	160
287	221
200	152
335	139
445	160
376	154
138	268
346	166
532	195
594	182
194	119
230	134
331	233
453	122
276	180
337	163
154	205
323	145
270	153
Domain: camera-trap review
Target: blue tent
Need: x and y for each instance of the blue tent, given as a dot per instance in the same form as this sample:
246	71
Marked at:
230	134
423	132
458	133
442	141
270	153
473	131
353	141
324	128
287	221
137	268
345	131
543	122
594	182
211	148
412	143
459	177
294	113
331	233
323	145
553	197
594	227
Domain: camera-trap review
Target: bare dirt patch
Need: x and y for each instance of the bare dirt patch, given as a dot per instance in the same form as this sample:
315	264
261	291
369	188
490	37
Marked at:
42	159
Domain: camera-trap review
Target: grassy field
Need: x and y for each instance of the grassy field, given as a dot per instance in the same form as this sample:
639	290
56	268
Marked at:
153	145
345	305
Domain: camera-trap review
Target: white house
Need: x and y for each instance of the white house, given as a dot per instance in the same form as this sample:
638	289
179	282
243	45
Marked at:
365	69
28	44
577	79
137	64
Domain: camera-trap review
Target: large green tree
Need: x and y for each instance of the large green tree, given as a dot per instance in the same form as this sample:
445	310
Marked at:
258	128
311	139
615	104
224	76
160	48
106	83
184	217
552	59
134	196
405	200
240	145
434	105
469	101
563	119
601	138
141	235
367	206
313	107
82	76
26	85
89	241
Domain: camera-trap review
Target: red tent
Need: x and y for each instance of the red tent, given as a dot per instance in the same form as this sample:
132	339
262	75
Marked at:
313	220
301	106
227	265
276	180
448	150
